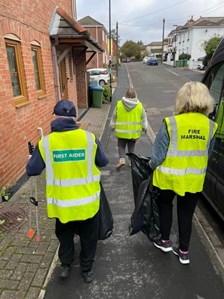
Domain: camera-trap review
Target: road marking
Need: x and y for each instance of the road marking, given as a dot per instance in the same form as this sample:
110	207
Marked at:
169	91
105	172
168	70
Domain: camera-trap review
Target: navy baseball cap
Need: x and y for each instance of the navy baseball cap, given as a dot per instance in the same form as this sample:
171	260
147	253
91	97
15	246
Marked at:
65	108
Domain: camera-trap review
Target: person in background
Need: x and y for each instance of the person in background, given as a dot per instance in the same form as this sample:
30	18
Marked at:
72	158
129	119
179	159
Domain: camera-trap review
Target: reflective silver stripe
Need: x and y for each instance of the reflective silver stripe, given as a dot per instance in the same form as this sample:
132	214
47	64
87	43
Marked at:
174	171
49	169
70	182
173	140
75	182
211	129
173	151
128	123
73	202
128	131
188	153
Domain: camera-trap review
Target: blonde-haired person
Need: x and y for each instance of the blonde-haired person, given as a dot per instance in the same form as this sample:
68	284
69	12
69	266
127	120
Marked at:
179	159
129	119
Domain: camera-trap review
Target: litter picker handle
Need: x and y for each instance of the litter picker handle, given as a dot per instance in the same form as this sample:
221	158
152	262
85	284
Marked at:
30	148
40	131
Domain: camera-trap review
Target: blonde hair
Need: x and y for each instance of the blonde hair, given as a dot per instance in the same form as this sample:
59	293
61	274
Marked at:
194	97
131	93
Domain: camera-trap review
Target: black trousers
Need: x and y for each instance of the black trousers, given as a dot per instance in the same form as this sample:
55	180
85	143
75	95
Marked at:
88	233
185	210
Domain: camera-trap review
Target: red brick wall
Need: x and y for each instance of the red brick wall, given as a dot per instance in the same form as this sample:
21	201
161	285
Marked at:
96	33
19	125
80	66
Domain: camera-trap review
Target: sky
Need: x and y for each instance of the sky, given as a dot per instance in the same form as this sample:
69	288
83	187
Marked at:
142	20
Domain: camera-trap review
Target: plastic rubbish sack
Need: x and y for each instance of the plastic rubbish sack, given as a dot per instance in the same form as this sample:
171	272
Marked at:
145	216
105	217
140	171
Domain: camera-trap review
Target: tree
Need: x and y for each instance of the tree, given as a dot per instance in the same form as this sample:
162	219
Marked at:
210	47
130	49
140	42
114	34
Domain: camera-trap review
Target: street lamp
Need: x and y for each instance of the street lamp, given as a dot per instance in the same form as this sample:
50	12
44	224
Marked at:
110	50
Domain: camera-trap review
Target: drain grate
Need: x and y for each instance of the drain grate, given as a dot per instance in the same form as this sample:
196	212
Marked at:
12	217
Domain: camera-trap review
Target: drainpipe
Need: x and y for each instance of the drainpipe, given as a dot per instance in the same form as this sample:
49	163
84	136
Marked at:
56	74
97	56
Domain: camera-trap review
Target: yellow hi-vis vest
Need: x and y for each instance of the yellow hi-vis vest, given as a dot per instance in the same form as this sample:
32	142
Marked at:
72	178
128	123
184	167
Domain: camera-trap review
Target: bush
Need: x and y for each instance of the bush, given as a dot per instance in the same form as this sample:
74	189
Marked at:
106	92
184	56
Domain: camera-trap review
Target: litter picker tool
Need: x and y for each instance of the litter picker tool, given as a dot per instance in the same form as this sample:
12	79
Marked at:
33	201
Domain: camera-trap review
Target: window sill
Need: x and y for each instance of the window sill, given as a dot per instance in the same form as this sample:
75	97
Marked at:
19	105
42	97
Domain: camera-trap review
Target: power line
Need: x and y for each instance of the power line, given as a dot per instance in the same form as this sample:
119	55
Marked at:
156	11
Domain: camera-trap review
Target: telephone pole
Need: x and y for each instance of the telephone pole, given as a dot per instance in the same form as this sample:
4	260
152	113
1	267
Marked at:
163	40
117	56
110	70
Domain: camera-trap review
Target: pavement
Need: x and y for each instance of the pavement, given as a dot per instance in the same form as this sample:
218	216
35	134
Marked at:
25	263
125	267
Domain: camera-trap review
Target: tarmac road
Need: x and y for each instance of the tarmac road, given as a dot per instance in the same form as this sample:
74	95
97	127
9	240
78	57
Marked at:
131	267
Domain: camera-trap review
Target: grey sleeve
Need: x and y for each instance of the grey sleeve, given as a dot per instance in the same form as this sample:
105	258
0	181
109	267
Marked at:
160	147
145	124
113	118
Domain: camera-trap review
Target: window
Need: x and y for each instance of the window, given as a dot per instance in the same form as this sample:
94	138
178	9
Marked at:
38	70
214	81
14	56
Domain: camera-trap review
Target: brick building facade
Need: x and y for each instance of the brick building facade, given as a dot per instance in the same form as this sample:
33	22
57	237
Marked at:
100	34
43	60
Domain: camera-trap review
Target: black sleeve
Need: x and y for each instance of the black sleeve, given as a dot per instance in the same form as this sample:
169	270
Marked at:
101	158
35	165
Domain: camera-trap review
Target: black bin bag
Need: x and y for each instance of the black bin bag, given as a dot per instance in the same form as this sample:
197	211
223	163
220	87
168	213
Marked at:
145	216
105	217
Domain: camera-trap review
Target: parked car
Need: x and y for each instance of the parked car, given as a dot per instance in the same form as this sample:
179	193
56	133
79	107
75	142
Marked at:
145	59
201	67
100	75
126	59
152	61
214	181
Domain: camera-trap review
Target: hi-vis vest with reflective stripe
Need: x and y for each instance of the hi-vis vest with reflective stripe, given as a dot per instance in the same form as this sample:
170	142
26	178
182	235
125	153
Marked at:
128	123
185	165
72	178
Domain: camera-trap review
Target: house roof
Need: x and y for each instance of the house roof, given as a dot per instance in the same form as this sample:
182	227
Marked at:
90	22
65	30
202	21
209	21
155	44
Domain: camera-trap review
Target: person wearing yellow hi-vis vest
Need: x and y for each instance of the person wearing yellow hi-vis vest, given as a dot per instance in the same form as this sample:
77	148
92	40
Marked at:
128	120
179	161
72	158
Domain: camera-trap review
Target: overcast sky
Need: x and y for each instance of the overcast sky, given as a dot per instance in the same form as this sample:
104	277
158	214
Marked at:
143	19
